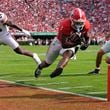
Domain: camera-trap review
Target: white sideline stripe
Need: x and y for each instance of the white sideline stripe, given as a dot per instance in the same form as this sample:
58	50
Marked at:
103	92
77	87
87	96
43	83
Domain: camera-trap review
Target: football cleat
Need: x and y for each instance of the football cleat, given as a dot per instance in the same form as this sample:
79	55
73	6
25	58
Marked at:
95	71
37	72
56	72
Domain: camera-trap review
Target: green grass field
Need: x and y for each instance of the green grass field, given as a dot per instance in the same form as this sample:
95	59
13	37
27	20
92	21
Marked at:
74	78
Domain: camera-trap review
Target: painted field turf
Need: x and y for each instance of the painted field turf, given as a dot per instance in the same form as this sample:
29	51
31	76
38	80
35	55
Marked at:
74	78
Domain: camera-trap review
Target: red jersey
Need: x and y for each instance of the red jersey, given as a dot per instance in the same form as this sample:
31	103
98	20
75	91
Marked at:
66	30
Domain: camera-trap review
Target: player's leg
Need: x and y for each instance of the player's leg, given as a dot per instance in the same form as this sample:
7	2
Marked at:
67	54
104	49
15	46
66	57
52	54
25	52
99	58
43	64
76	50
100	54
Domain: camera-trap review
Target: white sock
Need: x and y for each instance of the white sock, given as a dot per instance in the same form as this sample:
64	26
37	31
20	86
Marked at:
74	57
98	68
36	58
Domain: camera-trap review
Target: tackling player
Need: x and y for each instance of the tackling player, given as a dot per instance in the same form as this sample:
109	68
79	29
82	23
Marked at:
72	32
6	38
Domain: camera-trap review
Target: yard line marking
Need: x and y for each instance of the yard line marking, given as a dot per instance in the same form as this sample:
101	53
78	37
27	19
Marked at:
15	64
81	95
3	76
56	83
77	87
26	80
42	54
91	50
103	92
29	79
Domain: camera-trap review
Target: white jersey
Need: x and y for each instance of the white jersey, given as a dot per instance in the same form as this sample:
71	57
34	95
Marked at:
3	28
5	36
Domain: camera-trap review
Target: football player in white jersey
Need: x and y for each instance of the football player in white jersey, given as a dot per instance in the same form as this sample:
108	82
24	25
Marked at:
6	38
105	49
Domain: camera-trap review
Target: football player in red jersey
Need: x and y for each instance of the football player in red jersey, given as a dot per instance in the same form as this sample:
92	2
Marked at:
72	32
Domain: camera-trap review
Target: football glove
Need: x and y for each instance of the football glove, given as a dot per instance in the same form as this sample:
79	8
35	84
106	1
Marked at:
84	46
27	33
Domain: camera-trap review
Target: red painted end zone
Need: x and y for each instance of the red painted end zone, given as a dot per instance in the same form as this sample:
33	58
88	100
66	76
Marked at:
14	97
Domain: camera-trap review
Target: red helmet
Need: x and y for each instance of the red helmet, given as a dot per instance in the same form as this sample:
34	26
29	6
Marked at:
78	18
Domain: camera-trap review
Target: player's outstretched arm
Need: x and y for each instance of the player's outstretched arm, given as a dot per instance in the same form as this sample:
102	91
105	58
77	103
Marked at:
11	24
